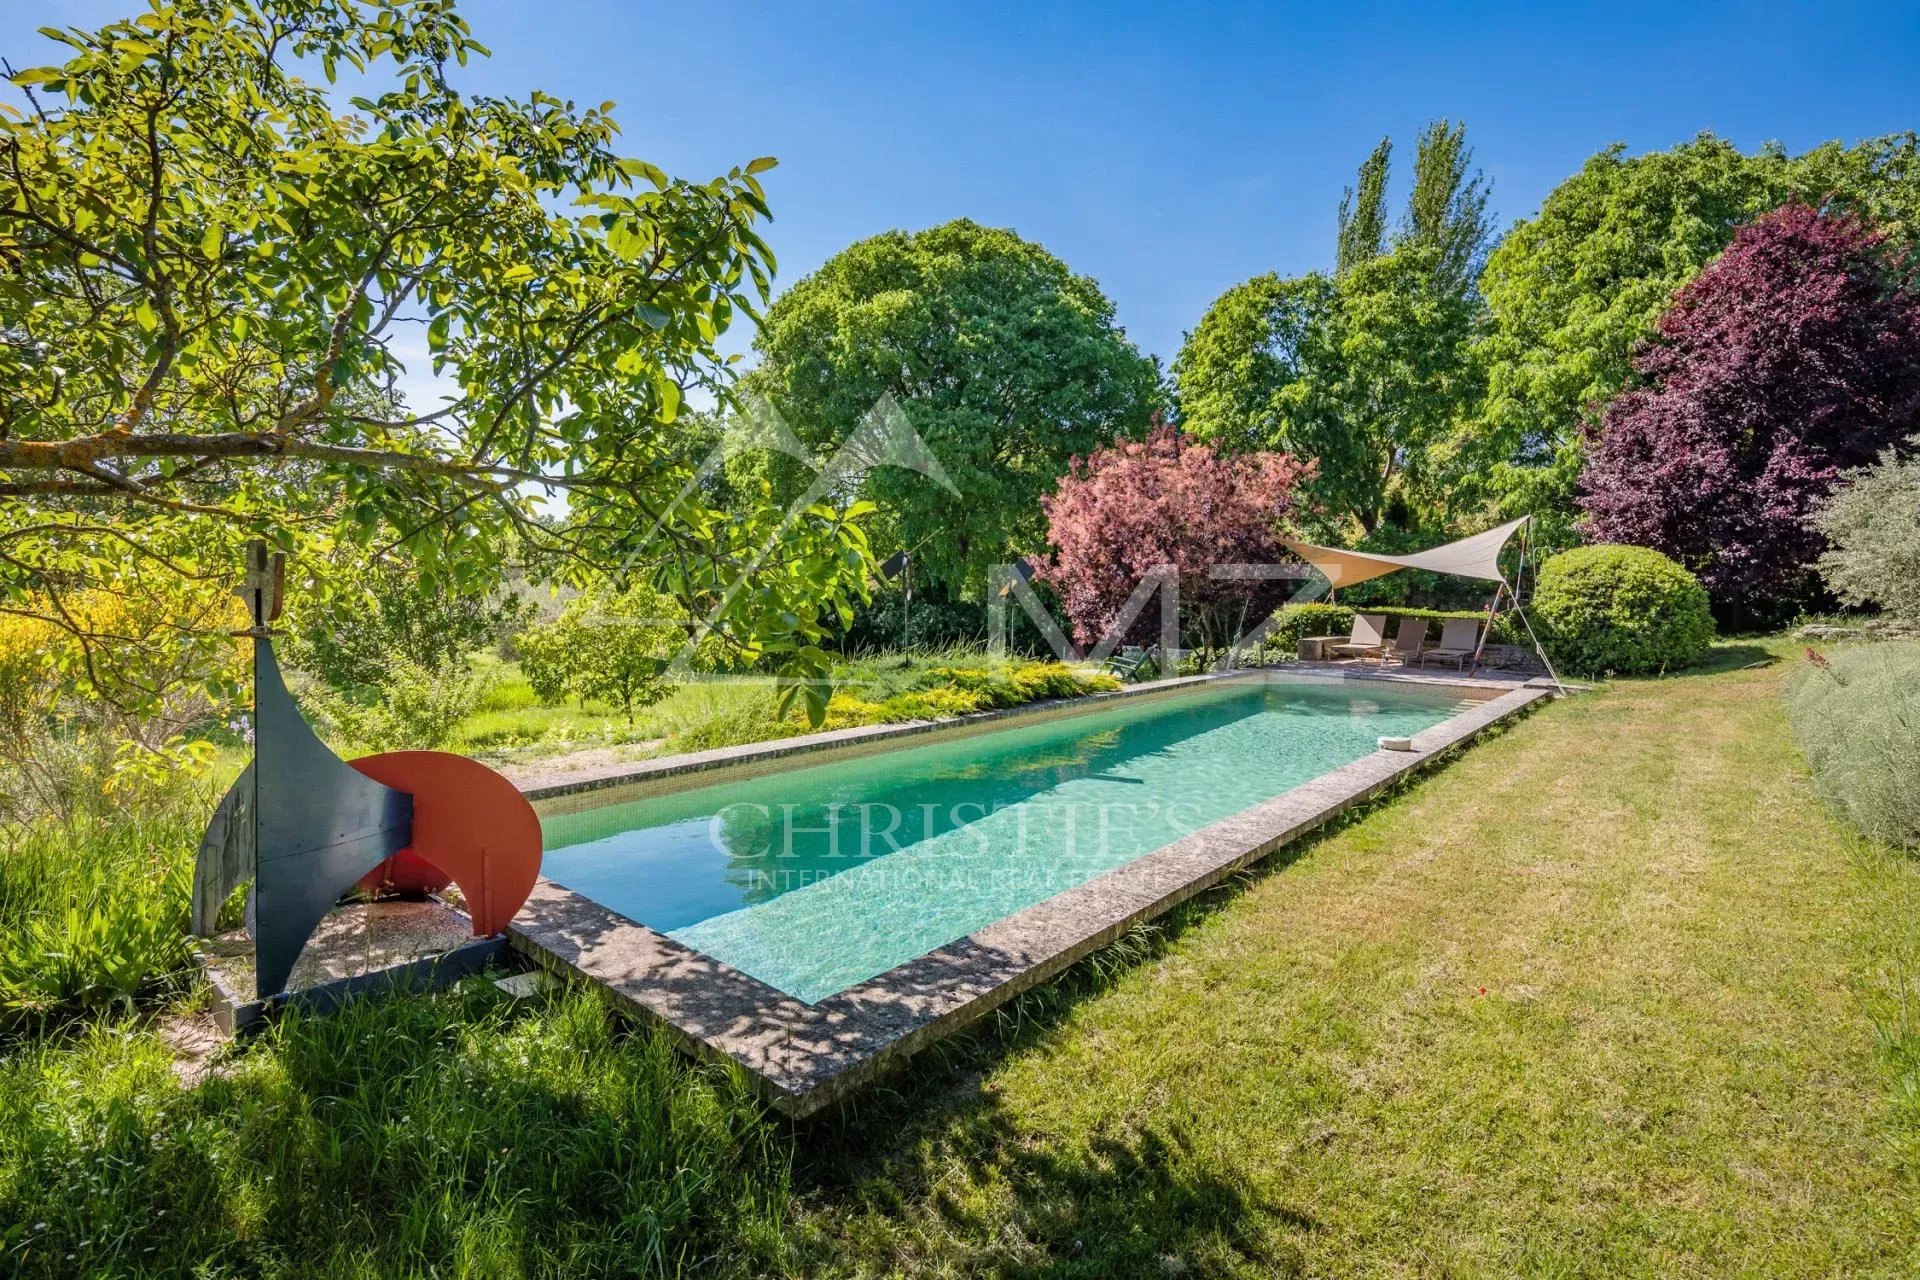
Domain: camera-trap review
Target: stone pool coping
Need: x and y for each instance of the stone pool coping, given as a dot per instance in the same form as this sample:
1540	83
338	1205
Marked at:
803	1057
570	793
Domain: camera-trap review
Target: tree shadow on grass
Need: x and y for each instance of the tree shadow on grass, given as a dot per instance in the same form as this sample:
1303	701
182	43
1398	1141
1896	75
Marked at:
1723	658
406	1135
963	1188
926	1168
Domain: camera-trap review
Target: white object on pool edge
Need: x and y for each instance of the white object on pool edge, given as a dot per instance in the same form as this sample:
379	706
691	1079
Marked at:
1396	744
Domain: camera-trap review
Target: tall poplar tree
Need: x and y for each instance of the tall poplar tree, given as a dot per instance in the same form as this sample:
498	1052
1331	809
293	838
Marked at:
1365	372
1447	208
1363	211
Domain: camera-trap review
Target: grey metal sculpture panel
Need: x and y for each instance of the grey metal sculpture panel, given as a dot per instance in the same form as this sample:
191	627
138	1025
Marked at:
226	856
319	825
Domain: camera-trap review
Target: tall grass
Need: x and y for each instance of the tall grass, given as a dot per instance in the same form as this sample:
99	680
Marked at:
94	903
1856	714
718	713
453	1134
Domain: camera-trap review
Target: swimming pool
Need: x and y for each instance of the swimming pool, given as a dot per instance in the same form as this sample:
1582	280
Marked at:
817	878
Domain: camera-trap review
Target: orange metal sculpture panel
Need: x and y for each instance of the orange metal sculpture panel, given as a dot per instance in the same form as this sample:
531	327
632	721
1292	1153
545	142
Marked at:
470	826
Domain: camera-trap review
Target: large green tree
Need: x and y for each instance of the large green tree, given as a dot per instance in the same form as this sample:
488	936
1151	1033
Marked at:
214	275
1574	290
1364	370
1005	363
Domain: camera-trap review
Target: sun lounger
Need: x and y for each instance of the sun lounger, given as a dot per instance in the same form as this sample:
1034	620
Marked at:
1459	642
1368	639
1408	640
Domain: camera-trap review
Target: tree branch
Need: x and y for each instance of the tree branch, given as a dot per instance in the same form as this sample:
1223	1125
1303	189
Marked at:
86	453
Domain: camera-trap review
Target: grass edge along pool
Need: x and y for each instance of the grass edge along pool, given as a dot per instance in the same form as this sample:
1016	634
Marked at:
831	871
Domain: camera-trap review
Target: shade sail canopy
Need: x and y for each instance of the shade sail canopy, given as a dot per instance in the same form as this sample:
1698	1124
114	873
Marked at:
1475	557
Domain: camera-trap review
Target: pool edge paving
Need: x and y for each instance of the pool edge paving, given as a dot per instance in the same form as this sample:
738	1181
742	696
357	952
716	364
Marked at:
804	1057
635	779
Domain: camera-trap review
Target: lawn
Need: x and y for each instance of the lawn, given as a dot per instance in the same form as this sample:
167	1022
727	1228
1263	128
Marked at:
1610	994
512	726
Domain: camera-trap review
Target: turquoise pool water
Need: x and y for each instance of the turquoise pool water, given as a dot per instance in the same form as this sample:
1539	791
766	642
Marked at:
818	878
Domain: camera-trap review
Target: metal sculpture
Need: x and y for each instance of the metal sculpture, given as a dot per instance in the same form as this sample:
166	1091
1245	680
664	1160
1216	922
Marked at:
306	826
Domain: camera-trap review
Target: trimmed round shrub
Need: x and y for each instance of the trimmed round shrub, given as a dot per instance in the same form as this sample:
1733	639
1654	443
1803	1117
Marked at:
1621	611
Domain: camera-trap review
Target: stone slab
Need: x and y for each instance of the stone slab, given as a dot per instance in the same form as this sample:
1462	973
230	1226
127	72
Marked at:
358	949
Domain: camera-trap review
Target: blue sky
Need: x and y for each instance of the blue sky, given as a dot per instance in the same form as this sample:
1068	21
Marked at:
1168	153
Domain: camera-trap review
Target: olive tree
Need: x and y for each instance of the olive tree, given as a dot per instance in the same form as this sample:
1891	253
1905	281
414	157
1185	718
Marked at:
1872	527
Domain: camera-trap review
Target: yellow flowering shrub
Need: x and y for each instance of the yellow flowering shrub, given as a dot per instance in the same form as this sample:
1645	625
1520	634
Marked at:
100	680
964	690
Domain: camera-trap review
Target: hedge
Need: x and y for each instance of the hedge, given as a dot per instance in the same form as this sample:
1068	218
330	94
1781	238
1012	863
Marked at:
1856	714
1617	610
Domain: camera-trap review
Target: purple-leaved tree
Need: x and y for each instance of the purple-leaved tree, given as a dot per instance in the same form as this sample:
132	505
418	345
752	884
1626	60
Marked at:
1793	356
1166	500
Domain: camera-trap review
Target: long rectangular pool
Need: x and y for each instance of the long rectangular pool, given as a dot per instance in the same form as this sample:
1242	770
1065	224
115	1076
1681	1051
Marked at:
817	878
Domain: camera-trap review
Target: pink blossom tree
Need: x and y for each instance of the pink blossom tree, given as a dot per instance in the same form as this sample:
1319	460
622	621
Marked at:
1124	511
1792	357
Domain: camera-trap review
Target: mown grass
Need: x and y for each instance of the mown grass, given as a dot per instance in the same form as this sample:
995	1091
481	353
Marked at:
1612	994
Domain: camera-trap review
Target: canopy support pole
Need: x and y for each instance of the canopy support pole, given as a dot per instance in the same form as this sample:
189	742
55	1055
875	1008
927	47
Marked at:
1526	533
1486	628
1538	647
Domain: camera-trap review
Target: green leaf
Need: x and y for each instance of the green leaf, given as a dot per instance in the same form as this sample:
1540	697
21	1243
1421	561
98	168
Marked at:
761	165
669	392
